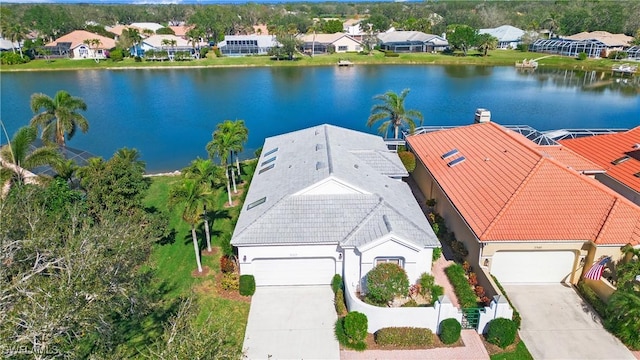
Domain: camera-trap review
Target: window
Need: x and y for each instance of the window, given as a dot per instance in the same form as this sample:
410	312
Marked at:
343	48
397	261
619	161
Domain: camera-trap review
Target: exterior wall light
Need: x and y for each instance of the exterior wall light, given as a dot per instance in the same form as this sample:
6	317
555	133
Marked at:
339	256
244	258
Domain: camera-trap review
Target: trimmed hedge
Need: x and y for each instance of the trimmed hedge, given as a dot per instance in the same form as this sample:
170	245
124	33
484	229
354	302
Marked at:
466	296
336	283
516	315
450	331
502	332
404	336
341	307
351	331
247	285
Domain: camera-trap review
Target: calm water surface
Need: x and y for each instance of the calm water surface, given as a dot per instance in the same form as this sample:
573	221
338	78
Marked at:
169	115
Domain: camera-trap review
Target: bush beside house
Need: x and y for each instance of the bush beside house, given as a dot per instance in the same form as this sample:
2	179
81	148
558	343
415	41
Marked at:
466	296
247	285
351	330
502	332
404	336
386	281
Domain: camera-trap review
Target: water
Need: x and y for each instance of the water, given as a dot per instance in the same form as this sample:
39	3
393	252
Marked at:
170	114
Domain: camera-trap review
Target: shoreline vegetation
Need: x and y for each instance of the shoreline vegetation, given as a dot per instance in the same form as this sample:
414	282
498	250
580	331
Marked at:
494	58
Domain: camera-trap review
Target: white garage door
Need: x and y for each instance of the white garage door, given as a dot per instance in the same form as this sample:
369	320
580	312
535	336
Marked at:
532	266
299	271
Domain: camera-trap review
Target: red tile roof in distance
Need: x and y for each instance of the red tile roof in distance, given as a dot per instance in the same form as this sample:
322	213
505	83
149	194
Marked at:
603	149
507	190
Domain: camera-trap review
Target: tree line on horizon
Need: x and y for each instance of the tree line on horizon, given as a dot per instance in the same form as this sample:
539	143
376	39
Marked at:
560	17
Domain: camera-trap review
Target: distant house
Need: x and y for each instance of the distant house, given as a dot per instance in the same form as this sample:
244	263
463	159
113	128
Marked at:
527	213
242	45
326	43
353	28
618	154
181	30
142	26
411	41
260	29
328	200
7	45
509	37
73	45
596	44
169	43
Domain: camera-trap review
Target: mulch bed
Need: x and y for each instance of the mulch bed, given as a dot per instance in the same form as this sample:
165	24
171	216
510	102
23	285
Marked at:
495	349
229	294
204	273
234	203
214	250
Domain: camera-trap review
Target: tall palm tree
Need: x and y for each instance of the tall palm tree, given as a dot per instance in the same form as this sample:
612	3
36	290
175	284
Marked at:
193	196
132	156
194	36
241	135
95	44
17	159
392	111
220	147
59	117
206	173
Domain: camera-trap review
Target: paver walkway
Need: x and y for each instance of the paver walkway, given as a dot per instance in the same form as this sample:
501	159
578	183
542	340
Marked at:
437	270
473	349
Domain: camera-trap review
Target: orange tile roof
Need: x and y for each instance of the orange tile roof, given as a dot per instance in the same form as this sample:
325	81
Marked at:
570	158
77	38
603	149
507	190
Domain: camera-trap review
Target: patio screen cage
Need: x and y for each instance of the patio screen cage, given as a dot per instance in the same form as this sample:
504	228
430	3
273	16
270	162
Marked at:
243	47
633	53
593	48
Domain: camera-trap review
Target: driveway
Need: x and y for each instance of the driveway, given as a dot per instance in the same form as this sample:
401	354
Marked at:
558	324
291	322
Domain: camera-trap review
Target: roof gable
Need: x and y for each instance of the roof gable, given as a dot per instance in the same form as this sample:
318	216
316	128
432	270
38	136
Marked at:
77	38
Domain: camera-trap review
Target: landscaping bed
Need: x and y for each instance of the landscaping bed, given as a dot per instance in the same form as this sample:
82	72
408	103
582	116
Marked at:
516	351
436	343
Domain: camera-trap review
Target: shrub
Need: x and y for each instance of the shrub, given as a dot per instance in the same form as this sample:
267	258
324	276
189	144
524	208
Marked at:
116	55
355	326
592	298
336	283
436	292
450	331
473	279
426	281
408	160
203	52
502	332
404	336
459	250
437	253
410	303
338	301
431	202
247	285
582	56
466	296
344	340
386	281
229	281
391	54
138	59
516	315
11	58
227	264
217	51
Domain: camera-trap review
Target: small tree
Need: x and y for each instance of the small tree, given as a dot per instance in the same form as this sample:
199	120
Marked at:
450	331
385	282
355	326
461	37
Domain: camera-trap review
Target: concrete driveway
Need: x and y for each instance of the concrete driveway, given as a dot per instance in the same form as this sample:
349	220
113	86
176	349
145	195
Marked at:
291	322
558	324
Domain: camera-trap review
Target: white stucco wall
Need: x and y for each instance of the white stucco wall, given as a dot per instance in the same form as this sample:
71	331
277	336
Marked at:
349	43
283	252
415	262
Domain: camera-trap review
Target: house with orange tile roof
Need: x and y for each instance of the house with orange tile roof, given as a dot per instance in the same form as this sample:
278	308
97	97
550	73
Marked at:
618	154
78	45
526	213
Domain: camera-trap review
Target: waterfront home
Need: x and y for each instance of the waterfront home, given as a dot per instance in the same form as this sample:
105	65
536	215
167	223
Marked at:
75	46
509	37
596	44
7	45
411	41
328	200
328	43
169	43
618	154
242	45
527	213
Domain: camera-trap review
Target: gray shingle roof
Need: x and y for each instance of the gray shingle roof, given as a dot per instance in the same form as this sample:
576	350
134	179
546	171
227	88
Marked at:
411	36
367	202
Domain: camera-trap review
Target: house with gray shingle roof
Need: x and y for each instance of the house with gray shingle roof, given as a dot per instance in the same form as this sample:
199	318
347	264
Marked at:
411	41
328	200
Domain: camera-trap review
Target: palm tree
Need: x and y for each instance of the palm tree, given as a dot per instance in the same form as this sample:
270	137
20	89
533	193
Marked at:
193	196
15	32
132	156
220	147
94	43
59	117
206	173
393	112
194	36
17	159
486	42
241	135
134	36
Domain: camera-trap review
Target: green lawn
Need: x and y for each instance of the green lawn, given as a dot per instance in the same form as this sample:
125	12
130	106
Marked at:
520	353
495	57
172	264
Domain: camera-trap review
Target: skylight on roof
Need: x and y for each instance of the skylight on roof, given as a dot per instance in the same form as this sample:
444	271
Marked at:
256	203
620	160
268	161
270	152
637	174
456	161
449	153
266	168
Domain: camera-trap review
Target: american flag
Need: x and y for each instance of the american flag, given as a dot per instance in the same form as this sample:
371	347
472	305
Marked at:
595	273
